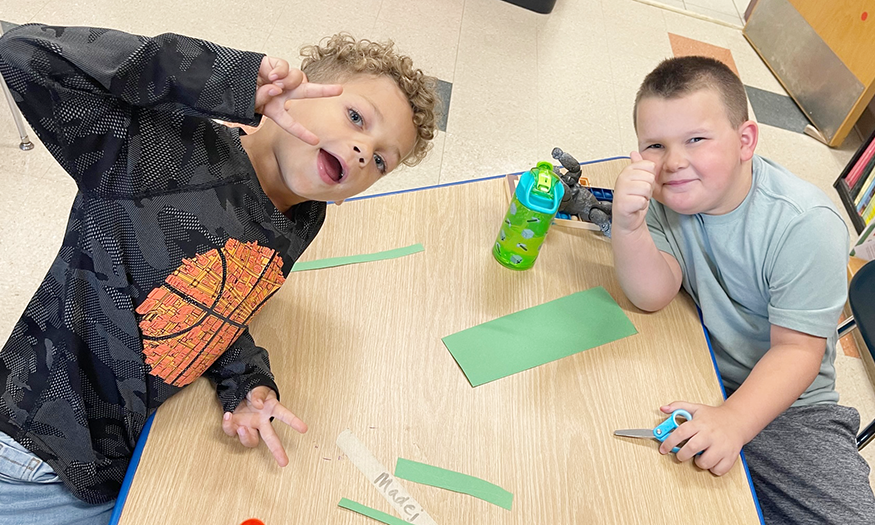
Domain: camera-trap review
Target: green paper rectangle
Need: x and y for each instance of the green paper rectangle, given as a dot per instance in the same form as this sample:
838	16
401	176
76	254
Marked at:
455	481
354	259
371	513
538	335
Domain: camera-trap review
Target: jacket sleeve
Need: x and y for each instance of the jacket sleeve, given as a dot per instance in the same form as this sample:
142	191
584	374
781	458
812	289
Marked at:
241	368
82	89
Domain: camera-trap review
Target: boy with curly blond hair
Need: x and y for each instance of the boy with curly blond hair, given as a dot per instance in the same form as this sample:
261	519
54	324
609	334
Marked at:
181	229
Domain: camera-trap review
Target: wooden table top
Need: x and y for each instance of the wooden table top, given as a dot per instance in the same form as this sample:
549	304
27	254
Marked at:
359	347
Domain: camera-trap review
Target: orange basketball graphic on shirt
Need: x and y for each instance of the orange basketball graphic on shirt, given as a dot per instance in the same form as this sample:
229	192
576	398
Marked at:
203	306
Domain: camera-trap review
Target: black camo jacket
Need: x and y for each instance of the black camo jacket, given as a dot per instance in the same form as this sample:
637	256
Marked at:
170	249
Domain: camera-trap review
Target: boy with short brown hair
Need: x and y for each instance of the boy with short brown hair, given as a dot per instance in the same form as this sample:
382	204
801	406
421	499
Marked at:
763	254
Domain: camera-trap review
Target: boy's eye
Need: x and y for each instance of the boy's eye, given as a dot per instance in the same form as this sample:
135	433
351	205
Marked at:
654	146
381	164
354	117
697	139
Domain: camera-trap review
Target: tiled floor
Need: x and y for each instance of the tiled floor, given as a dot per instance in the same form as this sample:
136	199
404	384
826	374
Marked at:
520	83
726	11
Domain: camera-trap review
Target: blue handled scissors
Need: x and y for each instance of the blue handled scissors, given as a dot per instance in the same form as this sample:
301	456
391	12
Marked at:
661	432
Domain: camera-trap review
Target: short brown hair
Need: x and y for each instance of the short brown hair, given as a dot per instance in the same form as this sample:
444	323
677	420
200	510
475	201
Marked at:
340	57
681	76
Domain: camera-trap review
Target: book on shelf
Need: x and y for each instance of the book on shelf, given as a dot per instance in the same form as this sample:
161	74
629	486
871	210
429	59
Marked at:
864	248
857	170
868	212
863	181
855	185
865	196
863	187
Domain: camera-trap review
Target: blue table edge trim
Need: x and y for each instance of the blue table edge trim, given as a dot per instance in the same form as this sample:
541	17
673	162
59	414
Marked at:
129	474
753	491
456	183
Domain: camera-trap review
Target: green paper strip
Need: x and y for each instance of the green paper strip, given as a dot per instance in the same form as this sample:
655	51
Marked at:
455	481
371	513
355	259
538	335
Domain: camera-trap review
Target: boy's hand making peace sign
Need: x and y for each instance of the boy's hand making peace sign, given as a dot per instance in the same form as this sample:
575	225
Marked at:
251	421
277	83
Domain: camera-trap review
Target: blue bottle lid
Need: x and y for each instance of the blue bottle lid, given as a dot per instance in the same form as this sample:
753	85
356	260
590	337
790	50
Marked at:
539	189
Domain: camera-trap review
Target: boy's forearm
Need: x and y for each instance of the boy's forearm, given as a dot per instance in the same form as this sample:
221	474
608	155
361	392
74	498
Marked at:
775	383
206	79
242	367
644	274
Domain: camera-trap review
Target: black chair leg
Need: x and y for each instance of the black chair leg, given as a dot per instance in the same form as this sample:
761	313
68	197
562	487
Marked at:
864	437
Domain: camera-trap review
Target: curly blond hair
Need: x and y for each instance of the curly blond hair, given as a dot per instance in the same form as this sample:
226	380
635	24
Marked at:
340	57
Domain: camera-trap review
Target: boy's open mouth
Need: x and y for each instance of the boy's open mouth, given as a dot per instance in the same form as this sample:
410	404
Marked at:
331	165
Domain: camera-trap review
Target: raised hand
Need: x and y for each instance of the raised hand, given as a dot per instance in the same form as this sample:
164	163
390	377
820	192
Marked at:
251	420
632	193
278	83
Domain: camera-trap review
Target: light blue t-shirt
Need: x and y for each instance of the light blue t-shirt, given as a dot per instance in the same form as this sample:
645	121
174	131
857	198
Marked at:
779	258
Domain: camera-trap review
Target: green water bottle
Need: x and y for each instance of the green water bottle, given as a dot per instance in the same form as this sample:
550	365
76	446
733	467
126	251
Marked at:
531	211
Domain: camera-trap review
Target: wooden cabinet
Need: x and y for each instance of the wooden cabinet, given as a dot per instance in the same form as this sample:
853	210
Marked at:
822	53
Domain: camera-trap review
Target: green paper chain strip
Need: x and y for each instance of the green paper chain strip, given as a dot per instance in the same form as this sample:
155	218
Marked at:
455	481
371	513
355	259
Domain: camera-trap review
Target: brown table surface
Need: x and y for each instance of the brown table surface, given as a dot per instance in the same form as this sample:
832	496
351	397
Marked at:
359	347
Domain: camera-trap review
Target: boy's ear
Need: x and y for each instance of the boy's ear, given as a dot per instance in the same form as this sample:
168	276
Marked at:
748	134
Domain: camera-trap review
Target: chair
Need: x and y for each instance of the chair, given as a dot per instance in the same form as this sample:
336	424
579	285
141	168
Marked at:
861	298
25	144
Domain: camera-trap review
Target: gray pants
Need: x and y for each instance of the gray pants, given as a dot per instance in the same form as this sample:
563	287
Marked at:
806	468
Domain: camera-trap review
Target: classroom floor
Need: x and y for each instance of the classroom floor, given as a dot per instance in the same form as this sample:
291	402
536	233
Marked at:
726	11
515	84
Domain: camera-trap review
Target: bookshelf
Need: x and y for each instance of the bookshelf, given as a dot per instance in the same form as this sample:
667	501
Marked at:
856	185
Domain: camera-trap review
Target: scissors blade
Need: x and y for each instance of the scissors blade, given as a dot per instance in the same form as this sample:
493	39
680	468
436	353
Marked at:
635	433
